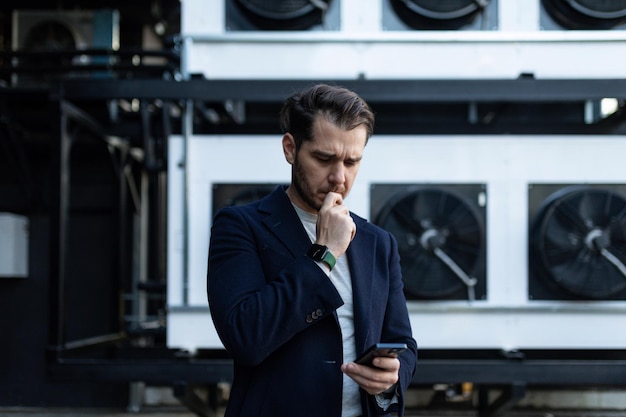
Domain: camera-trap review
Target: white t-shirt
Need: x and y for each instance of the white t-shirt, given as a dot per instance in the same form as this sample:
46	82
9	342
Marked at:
340	277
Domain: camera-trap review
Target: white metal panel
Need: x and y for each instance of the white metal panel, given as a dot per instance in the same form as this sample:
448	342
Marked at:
413	56
361	48
506	164
202	17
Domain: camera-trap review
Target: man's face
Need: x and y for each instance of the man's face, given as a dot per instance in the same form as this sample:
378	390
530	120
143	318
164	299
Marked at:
328	162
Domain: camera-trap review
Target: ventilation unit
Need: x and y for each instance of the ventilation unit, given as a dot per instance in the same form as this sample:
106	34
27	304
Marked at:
49	40
440	15
264	15
238	194
441	234
583	14
577	242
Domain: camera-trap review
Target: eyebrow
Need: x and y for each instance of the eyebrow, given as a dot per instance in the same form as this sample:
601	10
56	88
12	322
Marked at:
334	156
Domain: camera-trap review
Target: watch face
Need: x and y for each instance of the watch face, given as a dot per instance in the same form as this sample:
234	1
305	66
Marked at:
321	253
317	252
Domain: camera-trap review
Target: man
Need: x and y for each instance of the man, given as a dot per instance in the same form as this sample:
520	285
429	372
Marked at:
298	286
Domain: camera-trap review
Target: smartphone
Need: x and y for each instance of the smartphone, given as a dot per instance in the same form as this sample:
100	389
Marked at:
381	349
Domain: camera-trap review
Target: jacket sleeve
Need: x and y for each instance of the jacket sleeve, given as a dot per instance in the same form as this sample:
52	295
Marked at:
260	295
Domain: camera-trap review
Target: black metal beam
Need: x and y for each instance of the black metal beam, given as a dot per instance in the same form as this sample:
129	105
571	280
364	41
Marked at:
61	144
535	373
532	372
188	397
526	89
507	399
510	377
163	372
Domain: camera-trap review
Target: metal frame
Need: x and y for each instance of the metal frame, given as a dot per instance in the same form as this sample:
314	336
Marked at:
511	377
524	89
510	373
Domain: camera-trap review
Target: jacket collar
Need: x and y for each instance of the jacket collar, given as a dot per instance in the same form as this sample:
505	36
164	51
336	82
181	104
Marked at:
283	221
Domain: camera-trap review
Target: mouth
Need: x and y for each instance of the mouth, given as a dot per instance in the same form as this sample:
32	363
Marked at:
340	191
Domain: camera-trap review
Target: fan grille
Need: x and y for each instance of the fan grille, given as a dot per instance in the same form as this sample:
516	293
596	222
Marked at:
579	242
587	14
443	9
237	194
438	14
277	15
601	9
428	220
277	9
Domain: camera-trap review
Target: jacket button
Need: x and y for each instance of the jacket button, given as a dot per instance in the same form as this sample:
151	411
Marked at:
319	312
309	319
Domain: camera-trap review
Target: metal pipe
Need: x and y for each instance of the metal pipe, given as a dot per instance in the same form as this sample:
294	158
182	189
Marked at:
187	131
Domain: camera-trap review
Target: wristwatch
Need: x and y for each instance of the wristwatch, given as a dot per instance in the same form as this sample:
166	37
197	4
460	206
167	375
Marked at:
321	253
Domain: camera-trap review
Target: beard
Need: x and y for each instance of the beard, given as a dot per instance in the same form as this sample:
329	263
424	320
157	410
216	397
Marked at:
306	191
302	187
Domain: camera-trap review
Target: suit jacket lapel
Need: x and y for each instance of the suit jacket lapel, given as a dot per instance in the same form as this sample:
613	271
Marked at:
282	220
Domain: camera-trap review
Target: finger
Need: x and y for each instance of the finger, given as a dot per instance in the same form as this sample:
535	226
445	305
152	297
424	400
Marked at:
333	199
370	379
388	364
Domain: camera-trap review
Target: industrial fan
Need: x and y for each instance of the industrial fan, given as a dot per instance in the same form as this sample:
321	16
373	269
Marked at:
238	194
577	244
276	14
49	42
587	14
438	14
441	240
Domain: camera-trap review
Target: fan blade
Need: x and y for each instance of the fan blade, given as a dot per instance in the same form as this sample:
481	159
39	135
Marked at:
428	206
567	213
558	235
587	207
403	213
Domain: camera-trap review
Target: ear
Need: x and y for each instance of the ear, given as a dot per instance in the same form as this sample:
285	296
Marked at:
289	148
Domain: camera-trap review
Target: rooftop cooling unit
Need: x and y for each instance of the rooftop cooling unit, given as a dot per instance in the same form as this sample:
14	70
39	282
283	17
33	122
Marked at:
50	39
583	14
236	194
440	15
577	242
263	15
441	234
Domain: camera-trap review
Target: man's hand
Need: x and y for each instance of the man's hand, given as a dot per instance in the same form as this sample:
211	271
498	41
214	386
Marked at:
377	379
335	227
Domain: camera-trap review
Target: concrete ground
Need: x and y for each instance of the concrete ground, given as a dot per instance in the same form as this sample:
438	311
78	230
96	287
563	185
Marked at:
175	411
81	412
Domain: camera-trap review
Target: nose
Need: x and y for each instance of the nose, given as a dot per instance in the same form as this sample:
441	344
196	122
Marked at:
338	174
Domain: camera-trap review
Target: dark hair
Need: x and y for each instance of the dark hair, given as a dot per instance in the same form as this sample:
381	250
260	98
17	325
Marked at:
338	105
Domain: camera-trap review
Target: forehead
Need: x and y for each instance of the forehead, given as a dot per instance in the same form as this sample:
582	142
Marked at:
327	134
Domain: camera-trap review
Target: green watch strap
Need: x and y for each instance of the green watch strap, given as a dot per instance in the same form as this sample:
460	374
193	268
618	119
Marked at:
330	259
320	253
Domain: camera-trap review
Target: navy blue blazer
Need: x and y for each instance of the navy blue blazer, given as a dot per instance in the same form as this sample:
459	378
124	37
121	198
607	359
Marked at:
274	310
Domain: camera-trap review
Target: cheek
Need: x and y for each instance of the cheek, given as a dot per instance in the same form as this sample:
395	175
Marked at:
351	174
